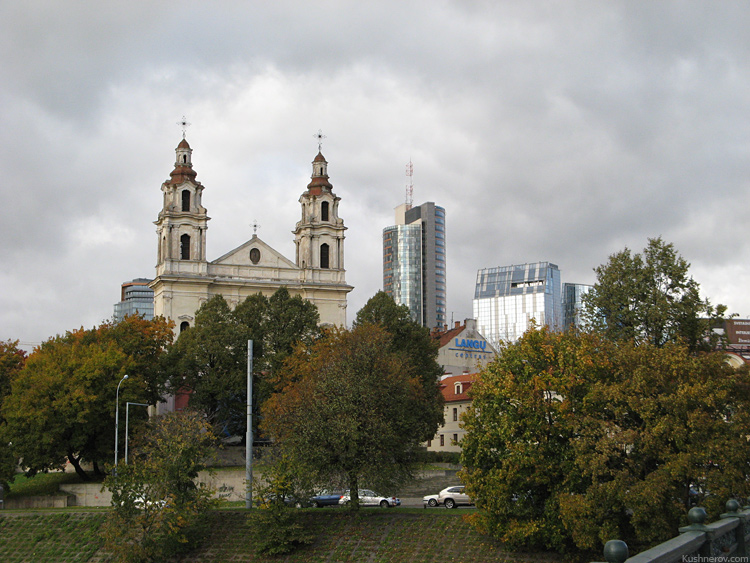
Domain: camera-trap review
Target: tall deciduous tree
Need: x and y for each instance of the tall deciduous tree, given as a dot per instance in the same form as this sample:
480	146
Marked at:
573	439
157	505
354	412
651	298
210	359
62	403
413	342
12	360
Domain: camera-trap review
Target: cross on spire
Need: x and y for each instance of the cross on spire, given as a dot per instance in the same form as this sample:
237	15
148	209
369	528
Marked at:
319	135
184	124
255	225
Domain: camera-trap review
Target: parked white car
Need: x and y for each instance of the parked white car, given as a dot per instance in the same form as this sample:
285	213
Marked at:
451	497
371	498
430	500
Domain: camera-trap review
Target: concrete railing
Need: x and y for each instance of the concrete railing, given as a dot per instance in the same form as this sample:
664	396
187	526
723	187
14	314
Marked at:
725	540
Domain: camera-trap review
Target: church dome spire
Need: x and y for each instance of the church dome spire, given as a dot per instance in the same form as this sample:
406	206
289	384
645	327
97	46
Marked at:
319	176
183	166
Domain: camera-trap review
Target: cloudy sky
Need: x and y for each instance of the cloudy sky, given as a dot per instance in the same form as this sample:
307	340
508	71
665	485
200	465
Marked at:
549	131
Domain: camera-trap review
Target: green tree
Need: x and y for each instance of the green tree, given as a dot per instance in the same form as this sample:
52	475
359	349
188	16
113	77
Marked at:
12	360
650	297
210	359
414	343
353	412
158	510
572	439
62	403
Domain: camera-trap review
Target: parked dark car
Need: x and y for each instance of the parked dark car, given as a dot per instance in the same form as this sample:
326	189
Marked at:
326	498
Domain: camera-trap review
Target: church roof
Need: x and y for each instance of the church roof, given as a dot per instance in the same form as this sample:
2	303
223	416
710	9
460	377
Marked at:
183	144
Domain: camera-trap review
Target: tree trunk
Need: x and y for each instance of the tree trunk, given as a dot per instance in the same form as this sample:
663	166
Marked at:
75	462
97	471
353	492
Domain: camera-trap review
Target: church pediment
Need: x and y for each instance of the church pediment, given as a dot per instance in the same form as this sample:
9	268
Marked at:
255	252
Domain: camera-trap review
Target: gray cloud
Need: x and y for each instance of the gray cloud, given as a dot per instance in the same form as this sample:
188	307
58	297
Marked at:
548	131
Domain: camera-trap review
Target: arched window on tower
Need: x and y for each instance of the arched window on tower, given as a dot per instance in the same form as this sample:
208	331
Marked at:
324	211
186	200
184	159
185	247
324	252
184	325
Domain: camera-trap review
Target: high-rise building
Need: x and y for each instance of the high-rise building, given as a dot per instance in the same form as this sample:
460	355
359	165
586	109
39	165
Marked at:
414	262
136	298
508	298
572	303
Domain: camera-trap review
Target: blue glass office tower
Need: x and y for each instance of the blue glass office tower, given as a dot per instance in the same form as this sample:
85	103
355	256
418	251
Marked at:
507	298
414	262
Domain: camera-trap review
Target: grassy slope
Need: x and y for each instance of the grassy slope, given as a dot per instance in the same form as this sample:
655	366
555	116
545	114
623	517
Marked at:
377	536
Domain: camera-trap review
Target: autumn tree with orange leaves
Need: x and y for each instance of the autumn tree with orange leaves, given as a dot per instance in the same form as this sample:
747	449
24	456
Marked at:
352	414
61	405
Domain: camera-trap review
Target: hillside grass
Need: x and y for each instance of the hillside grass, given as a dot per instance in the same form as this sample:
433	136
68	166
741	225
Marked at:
373	536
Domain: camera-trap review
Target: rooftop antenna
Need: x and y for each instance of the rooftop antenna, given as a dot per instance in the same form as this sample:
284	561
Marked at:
410	185
184	124
319	135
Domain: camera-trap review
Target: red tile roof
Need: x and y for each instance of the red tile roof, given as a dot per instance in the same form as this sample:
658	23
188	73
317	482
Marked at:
448	387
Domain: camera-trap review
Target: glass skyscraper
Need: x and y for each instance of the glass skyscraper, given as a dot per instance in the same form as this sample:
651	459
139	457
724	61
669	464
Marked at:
507	298
137	299
573	304
414	262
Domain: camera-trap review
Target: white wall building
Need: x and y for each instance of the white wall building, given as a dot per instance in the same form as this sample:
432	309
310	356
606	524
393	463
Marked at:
185	278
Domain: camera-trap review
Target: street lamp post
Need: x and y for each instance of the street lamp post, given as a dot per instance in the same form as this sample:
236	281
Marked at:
127	418
117	414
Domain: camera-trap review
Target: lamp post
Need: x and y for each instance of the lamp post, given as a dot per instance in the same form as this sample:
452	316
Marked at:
117	415
127	418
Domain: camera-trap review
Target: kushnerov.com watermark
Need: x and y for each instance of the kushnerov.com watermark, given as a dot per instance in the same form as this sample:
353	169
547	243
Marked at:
713	559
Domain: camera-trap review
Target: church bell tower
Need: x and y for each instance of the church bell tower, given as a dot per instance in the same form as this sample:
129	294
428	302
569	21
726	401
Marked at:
182	222
319	235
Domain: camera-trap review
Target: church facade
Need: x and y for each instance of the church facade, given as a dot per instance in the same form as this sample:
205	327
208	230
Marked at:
185	278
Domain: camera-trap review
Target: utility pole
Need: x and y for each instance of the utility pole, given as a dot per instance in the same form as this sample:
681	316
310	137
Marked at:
249	435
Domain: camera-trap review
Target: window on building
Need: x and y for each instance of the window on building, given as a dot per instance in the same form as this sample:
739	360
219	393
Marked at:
324	251
184	325
455	438
459	388
455	414
186	200
185	247
254	255
442	439
324	211
429	443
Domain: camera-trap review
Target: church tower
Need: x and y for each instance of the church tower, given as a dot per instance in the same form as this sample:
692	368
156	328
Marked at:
319	235
182	222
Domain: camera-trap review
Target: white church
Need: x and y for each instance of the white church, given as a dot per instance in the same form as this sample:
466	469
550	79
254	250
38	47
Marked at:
185	278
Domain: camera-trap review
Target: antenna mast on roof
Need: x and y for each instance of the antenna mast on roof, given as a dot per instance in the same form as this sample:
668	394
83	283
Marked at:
410	185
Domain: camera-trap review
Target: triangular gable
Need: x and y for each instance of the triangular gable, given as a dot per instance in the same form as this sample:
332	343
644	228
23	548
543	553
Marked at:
269	257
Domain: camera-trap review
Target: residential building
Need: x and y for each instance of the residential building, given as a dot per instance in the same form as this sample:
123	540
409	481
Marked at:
414	266
136	298
455	390
572	304
462	348
508	298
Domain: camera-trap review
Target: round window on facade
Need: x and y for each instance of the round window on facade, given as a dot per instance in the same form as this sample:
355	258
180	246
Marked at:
254	255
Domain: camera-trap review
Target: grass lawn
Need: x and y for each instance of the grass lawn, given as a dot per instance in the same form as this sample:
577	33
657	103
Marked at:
372	536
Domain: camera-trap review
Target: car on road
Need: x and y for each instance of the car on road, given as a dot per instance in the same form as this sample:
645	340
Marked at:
451	497
430	500
371	498
326	498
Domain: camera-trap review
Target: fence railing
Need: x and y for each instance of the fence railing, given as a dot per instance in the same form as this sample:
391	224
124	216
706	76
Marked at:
727	539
